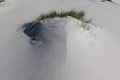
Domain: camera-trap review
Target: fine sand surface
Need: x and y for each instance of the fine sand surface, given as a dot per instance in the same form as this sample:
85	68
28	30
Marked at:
72	53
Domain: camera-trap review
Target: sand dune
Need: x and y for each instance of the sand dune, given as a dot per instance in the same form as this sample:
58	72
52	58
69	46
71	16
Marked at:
72	53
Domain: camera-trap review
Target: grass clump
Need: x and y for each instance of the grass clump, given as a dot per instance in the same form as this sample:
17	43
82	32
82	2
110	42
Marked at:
80	15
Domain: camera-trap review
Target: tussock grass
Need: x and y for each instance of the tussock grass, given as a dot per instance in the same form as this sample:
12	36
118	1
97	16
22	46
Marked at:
80	15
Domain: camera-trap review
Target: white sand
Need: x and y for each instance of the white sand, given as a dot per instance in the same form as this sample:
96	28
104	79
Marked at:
73	55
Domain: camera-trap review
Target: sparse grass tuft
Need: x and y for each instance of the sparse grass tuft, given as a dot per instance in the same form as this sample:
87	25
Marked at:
80	15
